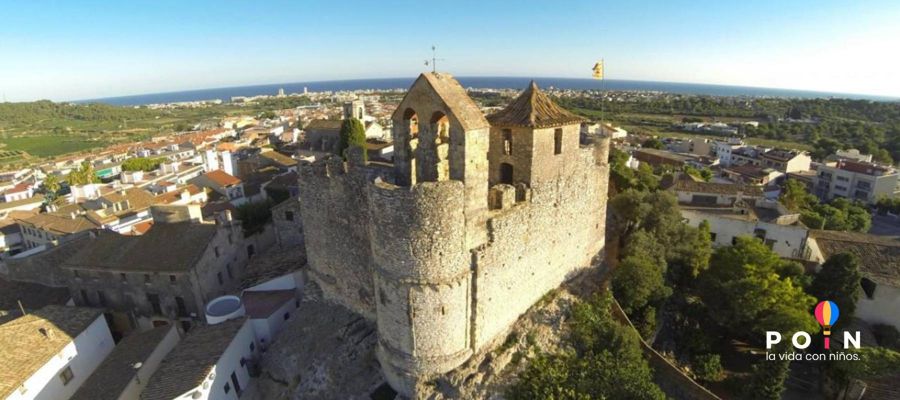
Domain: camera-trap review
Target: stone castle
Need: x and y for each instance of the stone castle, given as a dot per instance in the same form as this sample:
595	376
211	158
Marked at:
477	219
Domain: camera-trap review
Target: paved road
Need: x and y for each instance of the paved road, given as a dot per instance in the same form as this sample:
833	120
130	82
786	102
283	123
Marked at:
888	225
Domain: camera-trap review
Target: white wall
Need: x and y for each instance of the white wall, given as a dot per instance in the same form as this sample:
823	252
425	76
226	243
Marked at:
228	363
150	365
882	309
83	355
789	239
267	329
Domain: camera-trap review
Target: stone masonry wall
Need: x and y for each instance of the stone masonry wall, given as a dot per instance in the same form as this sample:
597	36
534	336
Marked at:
535	246
335	215
423	278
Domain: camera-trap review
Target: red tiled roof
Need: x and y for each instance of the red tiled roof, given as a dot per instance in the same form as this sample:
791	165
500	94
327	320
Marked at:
222	178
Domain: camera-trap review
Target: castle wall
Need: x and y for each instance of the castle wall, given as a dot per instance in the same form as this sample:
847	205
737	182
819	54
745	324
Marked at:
534	246
335	216
422	277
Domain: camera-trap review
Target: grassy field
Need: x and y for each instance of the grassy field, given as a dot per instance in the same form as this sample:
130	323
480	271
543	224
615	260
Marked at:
23	141
661	125
49	145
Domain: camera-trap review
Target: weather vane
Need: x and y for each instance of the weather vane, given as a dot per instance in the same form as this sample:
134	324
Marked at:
434	59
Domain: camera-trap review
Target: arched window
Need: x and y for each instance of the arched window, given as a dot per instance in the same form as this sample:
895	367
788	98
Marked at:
441	126
410	117
506	173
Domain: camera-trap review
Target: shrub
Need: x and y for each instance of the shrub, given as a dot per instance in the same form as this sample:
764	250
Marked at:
708	367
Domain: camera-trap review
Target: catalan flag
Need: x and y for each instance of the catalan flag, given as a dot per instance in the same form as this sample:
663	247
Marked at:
598	70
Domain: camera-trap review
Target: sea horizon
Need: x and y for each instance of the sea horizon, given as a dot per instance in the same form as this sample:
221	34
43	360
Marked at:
480	82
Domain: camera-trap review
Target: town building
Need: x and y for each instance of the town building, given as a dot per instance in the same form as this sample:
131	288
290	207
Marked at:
125	372
448	248
689	191
211	362
228	186
785	161
766	220
164	275
866	182
696	146
48	354
287	222
879	264
660	158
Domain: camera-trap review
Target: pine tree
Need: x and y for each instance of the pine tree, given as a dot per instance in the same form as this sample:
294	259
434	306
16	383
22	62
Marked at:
768	380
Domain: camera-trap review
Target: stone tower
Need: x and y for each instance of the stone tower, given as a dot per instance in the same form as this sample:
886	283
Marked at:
418	247
355	109
531	140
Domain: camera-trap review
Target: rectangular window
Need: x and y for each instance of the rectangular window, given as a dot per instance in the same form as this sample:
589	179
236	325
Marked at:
557	141
228	268
217	251
227	387
219	276
289	215
286	316
182	307
173	279
123	278
84	298
154	303
66	376
101	298
146	278
507	141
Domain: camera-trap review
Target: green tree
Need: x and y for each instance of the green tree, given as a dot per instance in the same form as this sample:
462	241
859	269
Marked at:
653	143
767	381
352	133
638	282
83	175
838	281
795	197
602	359
254	216
745	294
51	186
142	164
708	367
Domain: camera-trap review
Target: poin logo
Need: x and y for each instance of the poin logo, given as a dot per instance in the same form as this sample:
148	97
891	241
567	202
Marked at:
826	313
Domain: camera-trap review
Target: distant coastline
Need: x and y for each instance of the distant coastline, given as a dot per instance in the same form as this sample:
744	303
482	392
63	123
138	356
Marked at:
225	94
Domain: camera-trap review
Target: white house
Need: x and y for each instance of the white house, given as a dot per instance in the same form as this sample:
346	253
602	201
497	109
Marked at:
123	375
879	264
268	310
21	191
689	191
211	362
763	219
50	353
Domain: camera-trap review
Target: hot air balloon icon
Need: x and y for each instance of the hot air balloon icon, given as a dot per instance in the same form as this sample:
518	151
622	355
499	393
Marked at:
827	314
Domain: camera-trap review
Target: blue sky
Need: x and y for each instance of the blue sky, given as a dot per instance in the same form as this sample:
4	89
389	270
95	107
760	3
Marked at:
65	50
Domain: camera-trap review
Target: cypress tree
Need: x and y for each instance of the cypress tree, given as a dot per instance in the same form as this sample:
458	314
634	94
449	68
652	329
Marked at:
353	133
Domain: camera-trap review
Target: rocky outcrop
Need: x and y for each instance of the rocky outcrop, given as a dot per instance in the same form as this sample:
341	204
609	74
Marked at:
325	352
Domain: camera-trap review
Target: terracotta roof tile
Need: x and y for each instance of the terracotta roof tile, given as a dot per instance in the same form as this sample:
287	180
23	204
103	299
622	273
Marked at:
24	348
170	247
189	363
114	374
533	109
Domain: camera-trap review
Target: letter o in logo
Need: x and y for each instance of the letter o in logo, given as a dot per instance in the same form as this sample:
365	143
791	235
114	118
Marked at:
807	340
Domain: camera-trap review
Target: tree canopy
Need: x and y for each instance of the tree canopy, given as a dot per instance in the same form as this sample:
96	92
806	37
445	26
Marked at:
352	133
838	281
